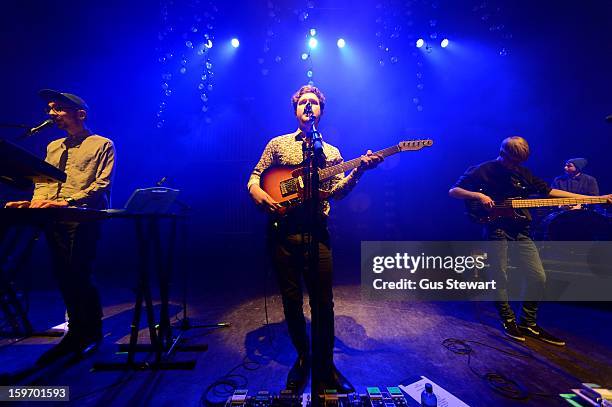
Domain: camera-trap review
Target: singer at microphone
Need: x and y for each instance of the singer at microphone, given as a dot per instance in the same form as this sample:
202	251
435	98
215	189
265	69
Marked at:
88	161
286	243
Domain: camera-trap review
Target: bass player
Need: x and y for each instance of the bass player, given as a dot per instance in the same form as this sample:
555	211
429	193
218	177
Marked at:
497	180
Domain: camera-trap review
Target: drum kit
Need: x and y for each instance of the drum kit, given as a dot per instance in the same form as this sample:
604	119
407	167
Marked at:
585	223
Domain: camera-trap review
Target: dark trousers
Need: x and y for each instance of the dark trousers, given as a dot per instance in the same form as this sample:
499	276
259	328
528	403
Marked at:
289	252
73	250
527	262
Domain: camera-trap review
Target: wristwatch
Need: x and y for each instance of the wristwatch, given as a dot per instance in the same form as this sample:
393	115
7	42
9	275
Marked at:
71	202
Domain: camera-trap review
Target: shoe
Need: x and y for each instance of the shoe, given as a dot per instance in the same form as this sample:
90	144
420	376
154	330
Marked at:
337	382
513	331
298	374
71	344
537	332
67	346
341	383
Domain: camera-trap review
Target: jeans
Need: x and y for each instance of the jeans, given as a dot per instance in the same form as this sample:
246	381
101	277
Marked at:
73	250
289	252
527	262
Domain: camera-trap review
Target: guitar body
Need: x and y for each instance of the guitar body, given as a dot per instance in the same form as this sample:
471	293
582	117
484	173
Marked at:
479	214
284	184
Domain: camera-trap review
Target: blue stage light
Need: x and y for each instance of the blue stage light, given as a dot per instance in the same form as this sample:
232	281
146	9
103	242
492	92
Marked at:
341	43
208	44
444	43
313	32
312	42
420	42
235	42
304	56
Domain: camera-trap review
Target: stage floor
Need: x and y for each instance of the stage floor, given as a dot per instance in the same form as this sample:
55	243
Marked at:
378	344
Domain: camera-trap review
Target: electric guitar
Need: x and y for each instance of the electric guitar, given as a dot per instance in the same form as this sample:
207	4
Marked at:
510	208
284	183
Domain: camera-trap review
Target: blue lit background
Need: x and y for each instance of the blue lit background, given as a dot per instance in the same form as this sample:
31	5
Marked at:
537	69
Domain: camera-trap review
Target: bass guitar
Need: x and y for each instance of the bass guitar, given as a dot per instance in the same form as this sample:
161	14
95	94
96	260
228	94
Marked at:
511	208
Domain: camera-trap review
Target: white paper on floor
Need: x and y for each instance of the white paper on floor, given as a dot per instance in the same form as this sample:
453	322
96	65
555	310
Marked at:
445	399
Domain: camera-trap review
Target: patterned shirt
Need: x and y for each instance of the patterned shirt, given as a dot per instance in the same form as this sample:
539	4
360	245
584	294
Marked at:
287	150
88	161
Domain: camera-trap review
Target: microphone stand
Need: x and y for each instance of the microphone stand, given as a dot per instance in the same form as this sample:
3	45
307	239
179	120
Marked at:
313	154
186	323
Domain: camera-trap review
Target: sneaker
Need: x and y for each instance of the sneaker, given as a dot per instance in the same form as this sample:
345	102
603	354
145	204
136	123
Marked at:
537	332
512	330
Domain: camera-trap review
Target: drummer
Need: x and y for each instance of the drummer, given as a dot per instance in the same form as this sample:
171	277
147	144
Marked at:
576	181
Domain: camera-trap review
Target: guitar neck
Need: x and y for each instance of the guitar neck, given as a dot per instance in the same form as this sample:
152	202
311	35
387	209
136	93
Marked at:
539	203
329	172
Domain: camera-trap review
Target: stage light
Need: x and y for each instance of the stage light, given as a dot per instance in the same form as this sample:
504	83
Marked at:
313	32
235	42
444	43
304	56
208	44
312	42
341	43
420	42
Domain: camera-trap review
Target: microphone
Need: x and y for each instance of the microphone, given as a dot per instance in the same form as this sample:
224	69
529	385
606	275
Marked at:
40	127
609	118
308	109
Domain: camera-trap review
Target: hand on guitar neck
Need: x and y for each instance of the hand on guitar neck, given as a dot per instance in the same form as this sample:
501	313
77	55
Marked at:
369	161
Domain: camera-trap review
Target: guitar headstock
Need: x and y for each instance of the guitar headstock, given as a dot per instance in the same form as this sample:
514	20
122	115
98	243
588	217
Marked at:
414	145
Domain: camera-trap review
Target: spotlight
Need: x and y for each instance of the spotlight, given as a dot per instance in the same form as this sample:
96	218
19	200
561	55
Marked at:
420	42
312	42
304	56
313	32
208	44
341	43
235	42
444	43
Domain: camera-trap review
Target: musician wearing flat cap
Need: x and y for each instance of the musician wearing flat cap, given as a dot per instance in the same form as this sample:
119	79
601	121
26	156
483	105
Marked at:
88	160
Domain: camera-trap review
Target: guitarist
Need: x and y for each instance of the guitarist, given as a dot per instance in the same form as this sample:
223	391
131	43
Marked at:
501	179
288	236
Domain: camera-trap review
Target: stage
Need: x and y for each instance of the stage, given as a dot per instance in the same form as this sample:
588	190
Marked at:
378	344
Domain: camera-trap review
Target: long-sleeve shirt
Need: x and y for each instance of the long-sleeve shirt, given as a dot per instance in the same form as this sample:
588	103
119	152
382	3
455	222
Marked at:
89	162
580	184
287	150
